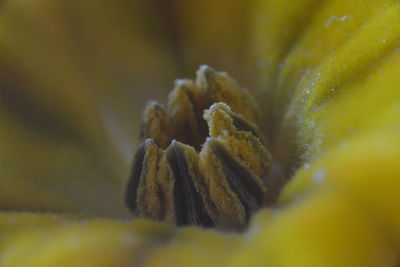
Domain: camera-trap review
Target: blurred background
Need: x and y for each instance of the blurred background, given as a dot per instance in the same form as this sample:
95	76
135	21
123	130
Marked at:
74	77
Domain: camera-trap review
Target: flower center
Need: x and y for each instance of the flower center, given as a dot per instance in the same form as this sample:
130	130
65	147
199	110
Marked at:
203	160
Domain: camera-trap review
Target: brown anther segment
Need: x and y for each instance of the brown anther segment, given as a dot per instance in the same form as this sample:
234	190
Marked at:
150	186
242	143
185	114
220	87
234	163
156	125
234	189
205	163
189	193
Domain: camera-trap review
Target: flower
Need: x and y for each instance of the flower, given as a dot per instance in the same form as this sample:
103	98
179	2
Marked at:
74	76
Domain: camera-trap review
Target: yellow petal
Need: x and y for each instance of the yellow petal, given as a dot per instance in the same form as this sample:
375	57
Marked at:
324	229
65	240
365	169
74	79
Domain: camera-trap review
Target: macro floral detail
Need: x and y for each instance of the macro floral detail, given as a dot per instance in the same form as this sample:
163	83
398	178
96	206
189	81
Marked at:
201	166
75	76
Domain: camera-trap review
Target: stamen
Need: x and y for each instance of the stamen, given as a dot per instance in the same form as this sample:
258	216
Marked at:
221	184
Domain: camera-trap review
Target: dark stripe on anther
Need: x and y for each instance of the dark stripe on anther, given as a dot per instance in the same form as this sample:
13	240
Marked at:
239	178
134	179
189	205
242	124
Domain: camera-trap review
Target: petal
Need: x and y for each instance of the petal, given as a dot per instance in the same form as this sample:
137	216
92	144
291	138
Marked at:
332	84
68	240
75	78
215	33
323	229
